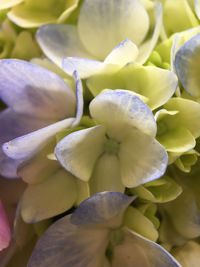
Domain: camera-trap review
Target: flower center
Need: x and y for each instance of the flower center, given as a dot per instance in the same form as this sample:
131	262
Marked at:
111	146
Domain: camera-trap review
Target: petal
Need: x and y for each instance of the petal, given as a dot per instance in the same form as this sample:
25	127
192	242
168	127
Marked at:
101	208
5	233
197	8
162	190
129	17
122	54
70	7
106	175
156	84
60	41
137	251
121	110
65	244
26	146
4	4
33	90
51	197
187	65
142	159
13	125
78	151
188	115
177	140
138	222
147	47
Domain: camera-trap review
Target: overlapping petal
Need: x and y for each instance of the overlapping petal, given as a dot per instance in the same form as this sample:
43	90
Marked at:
187	65
5	232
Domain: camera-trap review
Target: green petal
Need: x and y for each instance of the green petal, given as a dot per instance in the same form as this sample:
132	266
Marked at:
142	159
106	175
188	115
184	15
139	223
130	17
162	190
78	151
53	196
156	84
177	140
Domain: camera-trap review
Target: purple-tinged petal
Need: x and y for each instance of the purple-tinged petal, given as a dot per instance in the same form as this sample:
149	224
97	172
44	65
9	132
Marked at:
33	90
12	126
101	208
60	41
65	244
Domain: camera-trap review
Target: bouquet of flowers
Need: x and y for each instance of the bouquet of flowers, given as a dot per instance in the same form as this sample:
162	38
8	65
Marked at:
99	133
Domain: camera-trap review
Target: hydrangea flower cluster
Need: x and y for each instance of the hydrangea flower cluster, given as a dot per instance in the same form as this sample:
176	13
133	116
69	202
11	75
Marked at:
99	133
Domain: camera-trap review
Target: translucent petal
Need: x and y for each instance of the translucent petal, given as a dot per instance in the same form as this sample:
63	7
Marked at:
128	17
101	208
78	151
65	244
35	91
51	197
60	41
137	251
106	175
147	47
142	159
187	65
121	110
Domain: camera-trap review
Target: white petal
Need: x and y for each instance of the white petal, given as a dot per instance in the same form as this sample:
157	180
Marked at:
60	41
121	110
103	24
142	159
78	151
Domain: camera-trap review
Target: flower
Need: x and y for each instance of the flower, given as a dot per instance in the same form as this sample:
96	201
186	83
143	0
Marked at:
121	150
96	228
97	22
39	102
